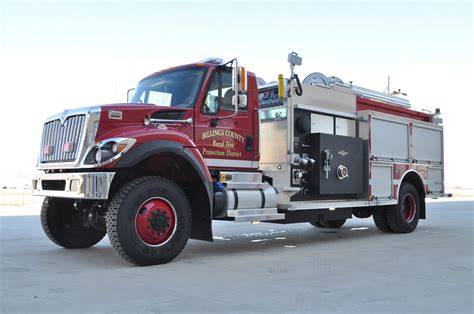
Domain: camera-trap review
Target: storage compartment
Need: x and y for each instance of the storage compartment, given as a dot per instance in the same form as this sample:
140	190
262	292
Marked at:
427	144
389	139
339	164
381	181
435	180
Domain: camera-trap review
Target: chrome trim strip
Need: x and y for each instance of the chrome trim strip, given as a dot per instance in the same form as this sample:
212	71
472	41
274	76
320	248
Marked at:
214	162
307	205
164	121
72	112
92	185
120	140
386	98
247	185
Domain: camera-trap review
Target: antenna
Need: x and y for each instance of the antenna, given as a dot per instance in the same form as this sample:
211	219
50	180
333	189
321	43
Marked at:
387	89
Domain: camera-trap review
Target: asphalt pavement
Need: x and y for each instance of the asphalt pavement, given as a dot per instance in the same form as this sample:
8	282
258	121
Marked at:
252	268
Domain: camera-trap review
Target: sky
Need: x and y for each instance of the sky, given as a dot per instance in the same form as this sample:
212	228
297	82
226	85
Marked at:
60	55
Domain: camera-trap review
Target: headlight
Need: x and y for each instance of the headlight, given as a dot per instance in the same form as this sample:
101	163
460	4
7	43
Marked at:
107	151
98	155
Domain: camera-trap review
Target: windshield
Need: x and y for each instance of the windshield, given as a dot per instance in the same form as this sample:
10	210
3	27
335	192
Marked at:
178	88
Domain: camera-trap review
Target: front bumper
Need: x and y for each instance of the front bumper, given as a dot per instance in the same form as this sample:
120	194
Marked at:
80	185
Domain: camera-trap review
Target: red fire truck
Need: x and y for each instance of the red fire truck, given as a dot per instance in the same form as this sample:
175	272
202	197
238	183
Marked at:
210	141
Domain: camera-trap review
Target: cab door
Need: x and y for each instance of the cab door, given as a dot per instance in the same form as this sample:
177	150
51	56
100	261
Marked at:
225	142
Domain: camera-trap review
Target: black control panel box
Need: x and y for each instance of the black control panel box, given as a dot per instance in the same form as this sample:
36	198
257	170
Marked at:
339	167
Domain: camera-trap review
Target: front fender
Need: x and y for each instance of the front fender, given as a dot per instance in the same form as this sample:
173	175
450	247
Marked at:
148	134
142	151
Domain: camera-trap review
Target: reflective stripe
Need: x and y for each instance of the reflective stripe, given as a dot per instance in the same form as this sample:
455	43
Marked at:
211	162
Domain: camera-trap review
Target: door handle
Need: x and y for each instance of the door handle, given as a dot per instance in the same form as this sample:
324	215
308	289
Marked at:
248	143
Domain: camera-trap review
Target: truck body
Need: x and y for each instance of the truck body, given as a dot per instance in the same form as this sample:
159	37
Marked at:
205	142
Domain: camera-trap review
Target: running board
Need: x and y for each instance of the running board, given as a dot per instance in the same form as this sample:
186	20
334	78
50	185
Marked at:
255	214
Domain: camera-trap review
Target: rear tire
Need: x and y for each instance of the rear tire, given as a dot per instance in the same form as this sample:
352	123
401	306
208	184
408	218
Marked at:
149	221
404	217
331	224
64	225
380	218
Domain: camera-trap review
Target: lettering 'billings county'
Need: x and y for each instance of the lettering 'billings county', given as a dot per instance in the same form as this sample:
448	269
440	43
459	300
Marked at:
221	132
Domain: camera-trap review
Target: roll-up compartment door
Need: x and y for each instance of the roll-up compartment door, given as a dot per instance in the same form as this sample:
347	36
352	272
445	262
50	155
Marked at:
427	144
381	181
389	139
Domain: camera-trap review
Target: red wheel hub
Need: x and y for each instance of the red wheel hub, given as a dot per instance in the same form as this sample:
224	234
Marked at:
409	208
155	221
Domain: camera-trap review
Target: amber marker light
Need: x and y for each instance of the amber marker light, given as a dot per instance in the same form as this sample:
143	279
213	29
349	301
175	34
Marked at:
222	177
118	148
242	77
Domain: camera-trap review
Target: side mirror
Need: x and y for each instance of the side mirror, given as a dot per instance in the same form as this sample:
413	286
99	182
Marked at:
239	86
130	94
242	101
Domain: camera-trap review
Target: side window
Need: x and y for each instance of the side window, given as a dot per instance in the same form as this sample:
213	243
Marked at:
227	91
211	102
219	94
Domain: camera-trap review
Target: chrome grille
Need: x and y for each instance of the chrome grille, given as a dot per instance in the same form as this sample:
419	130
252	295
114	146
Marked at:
56	135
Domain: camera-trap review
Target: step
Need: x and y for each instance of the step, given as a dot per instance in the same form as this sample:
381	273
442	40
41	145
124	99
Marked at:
255	214
263	217
251	211
247	185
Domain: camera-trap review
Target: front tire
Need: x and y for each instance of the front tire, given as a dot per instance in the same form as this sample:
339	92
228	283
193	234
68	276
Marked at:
331	224
404	217
64	225
149	221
